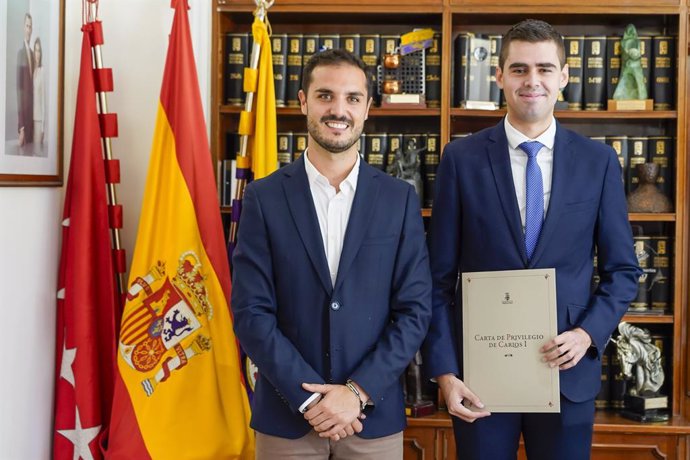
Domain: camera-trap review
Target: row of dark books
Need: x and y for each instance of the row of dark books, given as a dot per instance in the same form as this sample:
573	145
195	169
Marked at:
636	150
655	257
594	64
380	150
613	384
409	156
292	51
413	157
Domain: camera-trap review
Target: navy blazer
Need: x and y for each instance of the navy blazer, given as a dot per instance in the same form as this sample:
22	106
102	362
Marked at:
476	226
297	327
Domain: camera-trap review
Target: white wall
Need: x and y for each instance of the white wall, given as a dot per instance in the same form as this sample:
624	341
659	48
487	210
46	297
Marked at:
136	39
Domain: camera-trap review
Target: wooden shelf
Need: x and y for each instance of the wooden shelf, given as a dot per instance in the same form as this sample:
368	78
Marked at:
648	318
611	422
652	217
577	114
633	217
604	422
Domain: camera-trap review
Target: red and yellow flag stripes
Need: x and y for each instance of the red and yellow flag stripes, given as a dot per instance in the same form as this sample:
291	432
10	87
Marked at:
180	392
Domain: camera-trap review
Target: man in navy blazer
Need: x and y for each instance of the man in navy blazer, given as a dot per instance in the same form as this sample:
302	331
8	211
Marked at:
495	211
331	288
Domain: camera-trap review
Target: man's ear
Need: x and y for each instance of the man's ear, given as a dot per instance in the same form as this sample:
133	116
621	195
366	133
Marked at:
565	73
371	101
302	101
499	77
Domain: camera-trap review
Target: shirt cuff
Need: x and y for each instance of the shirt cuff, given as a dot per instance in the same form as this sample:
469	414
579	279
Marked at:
310	399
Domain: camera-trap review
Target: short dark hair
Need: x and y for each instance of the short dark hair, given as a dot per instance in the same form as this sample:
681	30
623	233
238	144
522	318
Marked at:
334	57
532	31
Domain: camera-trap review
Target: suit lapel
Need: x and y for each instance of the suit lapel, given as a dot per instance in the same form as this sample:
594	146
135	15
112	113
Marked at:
301	204
503	176
360	218
563	162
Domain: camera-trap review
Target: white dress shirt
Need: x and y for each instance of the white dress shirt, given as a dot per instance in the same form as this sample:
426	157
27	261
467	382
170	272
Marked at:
518	163
333	212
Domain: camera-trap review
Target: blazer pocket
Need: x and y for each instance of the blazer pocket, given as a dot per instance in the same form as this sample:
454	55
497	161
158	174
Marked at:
580	205
380	240
575	314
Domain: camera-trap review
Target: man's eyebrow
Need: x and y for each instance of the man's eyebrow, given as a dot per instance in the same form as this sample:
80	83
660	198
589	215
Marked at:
539	64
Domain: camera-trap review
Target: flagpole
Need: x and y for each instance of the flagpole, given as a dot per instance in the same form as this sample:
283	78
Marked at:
262	7
107	149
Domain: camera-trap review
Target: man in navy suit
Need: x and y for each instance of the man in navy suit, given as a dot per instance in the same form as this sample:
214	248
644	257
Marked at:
25	87
528	193
331	289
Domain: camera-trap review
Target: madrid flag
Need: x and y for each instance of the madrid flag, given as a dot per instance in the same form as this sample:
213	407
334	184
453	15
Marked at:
87	293
179	391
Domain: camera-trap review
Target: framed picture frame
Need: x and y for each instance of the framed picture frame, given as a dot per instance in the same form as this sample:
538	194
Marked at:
31	91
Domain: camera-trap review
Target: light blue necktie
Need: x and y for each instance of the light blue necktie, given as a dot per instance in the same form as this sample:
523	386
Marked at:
534	214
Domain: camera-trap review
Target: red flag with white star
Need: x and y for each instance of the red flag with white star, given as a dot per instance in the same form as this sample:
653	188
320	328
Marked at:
87	296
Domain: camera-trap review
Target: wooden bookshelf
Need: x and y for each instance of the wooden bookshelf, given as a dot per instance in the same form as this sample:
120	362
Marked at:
432	437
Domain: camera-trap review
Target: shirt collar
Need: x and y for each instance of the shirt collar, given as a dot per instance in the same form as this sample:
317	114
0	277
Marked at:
516	138
349	184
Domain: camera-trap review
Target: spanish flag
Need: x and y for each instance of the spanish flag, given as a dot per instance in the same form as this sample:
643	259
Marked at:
179	391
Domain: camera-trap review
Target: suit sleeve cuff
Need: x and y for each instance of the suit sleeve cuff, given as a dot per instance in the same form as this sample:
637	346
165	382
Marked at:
310	399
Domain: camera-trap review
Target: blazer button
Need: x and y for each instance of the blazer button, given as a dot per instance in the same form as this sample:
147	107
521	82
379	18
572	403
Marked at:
335	305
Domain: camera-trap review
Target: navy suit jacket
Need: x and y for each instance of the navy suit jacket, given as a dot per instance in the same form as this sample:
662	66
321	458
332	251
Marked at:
297	327
476	226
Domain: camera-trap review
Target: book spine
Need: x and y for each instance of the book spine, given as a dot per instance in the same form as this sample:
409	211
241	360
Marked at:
430	162
361	146
603	398
299	145
310	47
284	148
376	149
661	152
495	50
663	70
460	64
617	380
294	69
660	285
279	51
638	154
395	142
613	64
620	145
236	58
329	42
389	44
433	73
350	42
370	48
644	258
646	62
594	73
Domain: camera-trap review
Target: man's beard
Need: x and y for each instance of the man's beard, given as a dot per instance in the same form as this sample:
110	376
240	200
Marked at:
339	144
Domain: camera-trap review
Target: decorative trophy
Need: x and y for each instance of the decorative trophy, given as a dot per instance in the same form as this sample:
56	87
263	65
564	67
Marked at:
640	362
631	91
415	404
402	75
647	197
406	165
478	78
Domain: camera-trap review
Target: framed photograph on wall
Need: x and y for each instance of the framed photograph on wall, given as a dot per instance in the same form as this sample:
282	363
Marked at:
31	73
